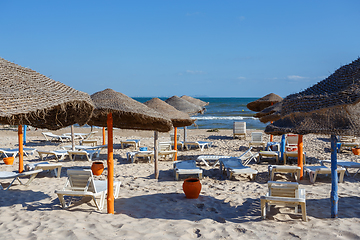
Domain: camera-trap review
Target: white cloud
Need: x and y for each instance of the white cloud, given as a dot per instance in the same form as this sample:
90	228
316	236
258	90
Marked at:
194	72
295	77
241	78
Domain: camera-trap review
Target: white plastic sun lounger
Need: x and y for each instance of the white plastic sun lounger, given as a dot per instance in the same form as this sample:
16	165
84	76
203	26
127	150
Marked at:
256	140
210	159
248	156
87	153
199	144
45	166
58	154
294	170
346	165
285	194
313	171
81	183
50	137
16	176
83	147
133	142
186	167
8	152
231	166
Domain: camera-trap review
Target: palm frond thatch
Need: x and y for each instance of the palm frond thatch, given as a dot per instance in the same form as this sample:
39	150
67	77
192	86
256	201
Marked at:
30	98
178	118
195	101
183	105
127	113
264	102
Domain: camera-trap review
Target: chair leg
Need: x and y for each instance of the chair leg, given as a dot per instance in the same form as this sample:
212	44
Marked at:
62	201
314	177
272	175
303	211
341	177
263	208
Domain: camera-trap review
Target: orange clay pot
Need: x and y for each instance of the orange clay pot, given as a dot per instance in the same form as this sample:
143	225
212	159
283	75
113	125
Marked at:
9	160
356	151
97	168
192	187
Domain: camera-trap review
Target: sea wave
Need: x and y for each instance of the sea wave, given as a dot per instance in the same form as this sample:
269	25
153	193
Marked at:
222	118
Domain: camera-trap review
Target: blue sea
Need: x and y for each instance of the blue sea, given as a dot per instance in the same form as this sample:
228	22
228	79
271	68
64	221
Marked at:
222	112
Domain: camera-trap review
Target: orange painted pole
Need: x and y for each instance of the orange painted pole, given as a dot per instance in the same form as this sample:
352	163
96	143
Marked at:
300	154
21	150
175	143
110	166
104	142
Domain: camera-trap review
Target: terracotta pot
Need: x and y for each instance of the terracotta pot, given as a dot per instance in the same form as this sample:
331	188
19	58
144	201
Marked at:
192	187
97	168
9	160
356	151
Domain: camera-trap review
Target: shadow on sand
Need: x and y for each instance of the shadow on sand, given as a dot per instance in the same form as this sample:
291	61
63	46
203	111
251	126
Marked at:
176	207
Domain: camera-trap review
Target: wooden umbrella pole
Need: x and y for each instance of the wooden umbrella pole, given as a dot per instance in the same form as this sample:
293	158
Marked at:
103	133
21	150
300	155
156	139
72	138
110	165
175	143
334	179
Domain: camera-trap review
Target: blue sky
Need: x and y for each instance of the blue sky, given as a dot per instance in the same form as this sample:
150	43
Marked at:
196	48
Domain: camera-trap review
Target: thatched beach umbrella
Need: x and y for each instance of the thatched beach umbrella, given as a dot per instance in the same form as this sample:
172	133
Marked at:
178	118
195	101
116	109
264	102
184	106
30	98
331	106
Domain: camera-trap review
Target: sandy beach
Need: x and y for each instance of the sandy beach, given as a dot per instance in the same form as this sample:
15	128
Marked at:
150	208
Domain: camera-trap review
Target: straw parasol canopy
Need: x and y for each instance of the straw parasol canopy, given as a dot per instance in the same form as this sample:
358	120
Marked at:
127	113
178	118
264	102
195	101
331	106
339	90
343	121
183	105
30	98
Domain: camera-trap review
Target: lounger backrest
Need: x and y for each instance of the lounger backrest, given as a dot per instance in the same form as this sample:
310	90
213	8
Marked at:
172	137
256	137
81	180
232	162
164	147
239	127
190	164
90	135
291	139
282	189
